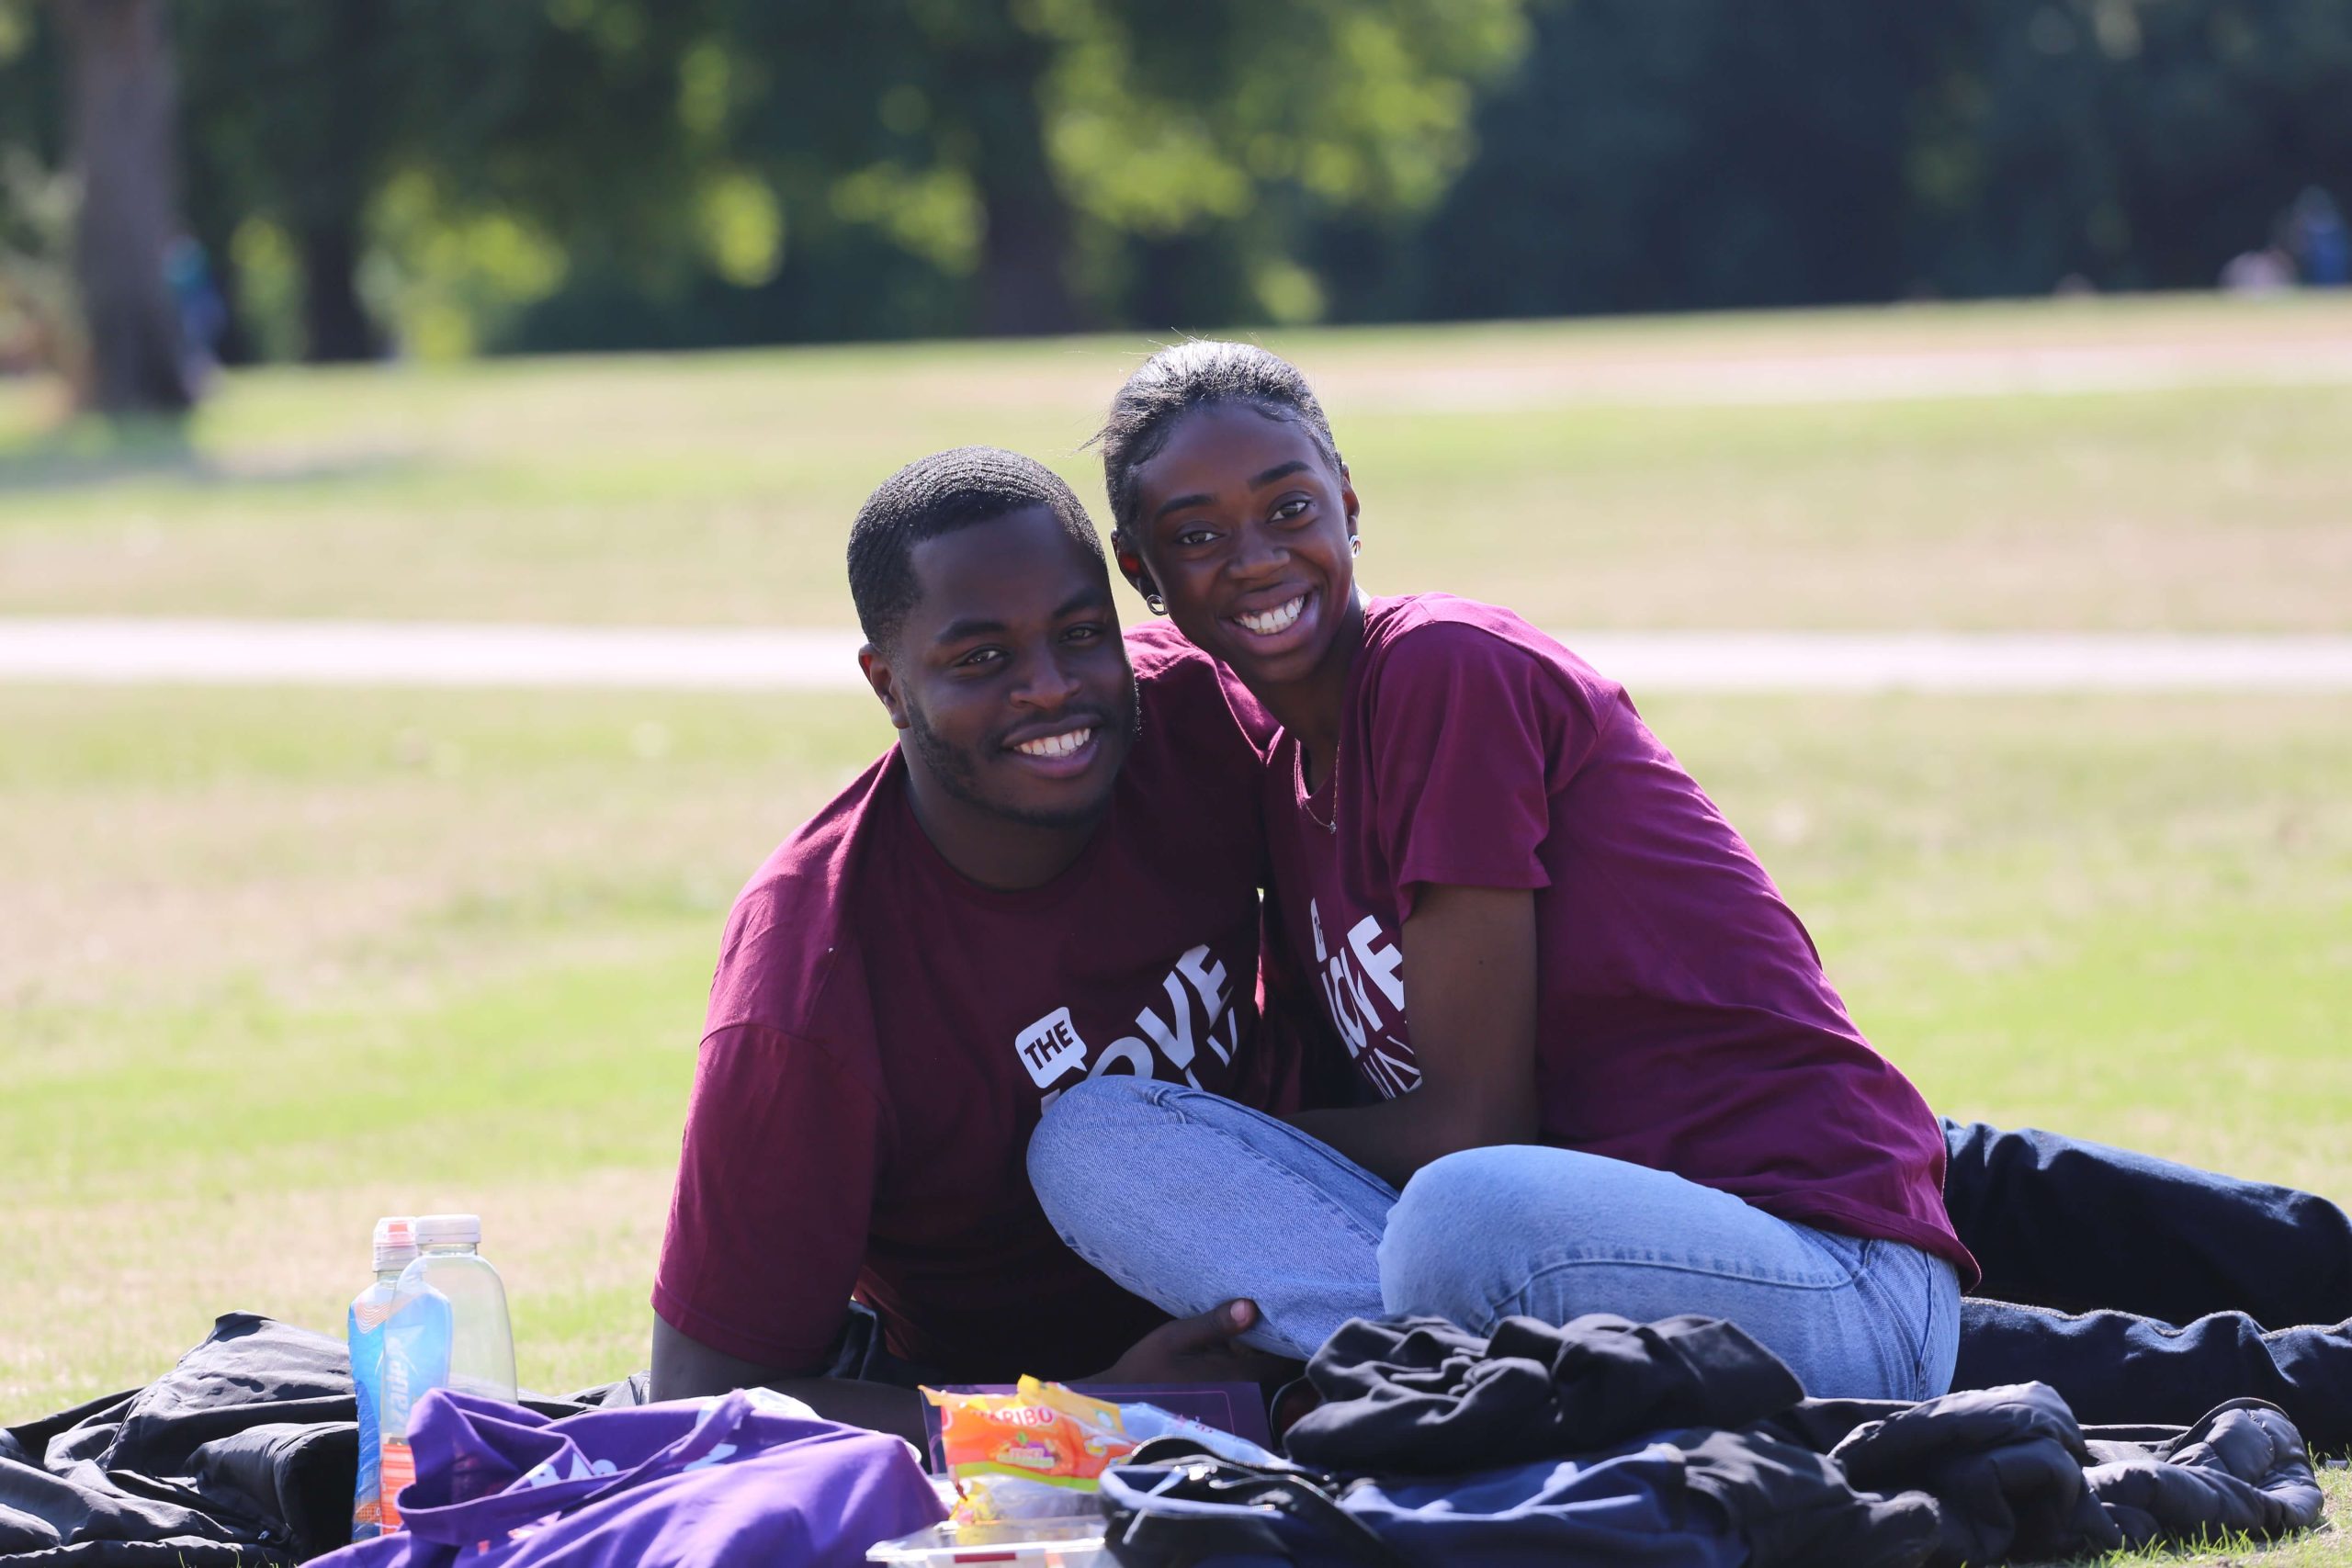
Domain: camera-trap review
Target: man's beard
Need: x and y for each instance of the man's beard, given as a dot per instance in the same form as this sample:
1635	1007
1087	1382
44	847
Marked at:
958	774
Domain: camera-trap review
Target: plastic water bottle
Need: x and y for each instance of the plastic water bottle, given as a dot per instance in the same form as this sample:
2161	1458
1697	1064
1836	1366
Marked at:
482	1341
448	1329
364	1330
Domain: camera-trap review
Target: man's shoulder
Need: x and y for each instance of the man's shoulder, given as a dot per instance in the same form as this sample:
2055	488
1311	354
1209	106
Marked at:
1165	664
1190	696
789	960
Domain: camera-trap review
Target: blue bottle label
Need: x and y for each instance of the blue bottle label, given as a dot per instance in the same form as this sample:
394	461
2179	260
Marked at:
363	1332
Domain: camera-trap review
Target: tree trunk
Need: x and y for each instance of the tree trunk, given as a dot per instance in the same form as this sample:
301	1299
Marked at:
1023	291
122	110
1025	285
334	182
335	324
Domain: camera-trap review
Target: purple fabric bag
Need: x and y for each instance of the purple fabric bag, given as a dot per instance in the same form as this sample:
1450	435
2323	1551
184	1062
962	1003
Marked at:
731	1480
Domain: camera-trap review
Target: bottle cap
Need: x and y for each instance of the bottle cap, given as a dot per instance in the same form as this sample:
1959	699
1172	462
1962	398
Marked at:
395	1242
444	1230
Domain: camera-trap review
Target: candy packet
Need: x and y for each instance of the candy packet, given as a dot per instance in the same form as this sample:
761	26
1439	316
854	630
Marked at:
1040	1453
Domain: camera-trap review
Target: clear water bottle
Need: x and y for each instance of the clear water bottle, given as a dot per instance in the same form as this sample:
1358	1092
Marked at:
364	1329
448	1329
482	1341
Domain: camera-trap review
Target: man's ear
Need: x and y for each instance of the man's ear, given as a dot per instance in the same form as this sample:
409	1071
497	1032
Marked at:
874	665
1131	565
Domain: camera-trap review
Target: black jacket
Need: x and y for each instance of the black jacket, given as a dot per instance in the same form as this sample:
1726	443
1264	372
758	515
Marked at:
244	1455
1978	1477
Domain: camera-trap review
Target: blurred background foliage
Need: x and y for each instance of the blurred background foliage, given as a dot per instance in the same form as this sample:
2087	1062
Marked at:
439	177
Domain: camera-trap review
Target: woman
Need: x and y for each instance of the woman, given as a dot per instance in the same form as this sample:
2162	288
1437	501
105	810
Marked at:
1619	1080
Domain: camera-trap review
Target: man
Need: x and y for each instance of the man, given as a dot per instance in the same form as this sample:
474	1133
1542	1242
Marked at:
1043	881
1054	874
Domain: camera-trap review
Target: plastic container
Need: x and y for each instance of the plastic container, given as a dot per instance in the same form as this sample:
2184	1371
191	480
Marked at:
395	1249
482	1341
448	1329
1042	1543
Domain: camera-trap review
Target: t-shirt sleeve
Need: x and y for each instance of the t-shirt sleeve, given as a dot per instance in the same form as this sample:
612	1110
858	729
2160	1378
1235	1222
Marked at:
775	1184
1467	733
1223	734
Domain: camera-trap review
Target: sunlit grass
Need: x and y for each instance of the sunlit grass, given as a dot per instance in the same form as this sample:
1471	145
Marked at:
280	962
273	962
1532	462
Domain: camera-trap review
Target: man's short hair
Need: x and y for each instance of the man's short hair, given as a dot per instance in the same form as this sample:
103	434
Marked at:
940	494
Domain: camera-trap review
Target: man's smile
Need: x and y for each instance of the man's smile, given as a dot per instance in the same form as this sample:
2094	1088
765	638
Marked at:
1059	753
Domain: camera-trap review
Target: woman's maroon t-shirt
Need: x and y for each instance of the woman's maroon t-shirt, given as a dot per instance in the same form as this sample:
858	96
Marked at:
1684	1021
884	1033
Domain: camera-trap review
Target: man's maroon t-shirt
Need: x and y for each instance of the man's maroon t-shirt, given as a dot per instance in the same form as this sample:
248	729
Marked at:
1684	1021
884	1033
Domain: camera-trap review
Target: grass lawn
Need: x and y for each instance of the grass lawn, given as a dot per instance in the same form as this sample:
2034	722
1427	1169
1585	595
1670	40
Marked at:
290	960
274	963
1532	464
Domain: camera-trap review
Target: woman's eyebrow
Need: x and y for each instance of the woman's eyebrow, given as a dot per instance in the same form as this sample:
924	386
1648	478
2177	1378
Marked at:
1179	504
1279	471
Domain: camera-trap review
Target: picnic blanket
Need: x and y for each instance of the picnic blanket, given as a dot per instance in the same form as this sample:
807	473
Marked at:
1685	1444
242	1456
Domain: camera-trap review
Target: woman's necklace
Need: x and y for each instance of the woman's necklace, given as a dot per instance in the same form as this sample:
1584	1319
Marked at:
1306	797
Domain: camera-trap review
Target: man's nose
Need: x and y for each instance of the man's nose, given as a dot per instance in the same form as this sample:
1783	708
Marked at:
1042	683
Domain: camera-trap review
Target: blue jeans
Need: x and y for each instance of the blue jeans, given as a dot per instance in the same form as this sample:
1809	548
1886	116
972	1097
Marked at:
1189	1200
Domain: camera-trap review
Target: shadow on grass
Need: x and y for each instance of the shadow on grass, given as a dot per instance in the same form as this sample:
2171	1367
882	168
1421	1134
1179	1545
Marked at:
91	453
95	451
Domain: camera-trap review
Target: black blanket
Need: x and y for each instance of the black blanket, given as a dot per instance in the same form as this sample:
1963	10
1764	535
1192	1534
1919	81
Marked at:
244	1455
2009	1472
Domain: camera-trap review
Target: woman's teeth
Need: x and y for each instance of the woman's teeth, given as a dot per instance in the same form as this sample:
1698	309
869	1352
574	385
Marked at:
1279	619
1056	745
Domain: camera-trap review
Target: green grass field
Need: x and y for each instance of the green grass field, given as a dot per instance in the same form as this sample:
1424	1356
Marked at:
1519	464
276	962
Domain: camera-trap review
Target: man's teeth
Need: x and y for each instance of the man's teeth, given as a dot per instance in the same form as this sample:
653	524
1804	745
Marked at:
1056	745
1278	619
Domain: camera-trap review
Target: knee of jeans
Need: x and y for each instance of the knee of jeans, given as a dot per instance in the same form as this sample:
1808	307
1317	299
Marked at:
1081	1132
1451	1222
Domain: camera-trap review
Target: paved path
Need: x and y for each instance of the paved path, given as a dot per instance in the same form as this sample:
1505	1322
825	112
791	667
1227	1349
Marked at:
1862	374
364	653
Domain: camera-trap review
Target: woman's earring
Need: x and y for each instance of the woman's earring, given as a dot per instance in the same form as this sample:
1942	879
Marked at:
1159	607
1355	544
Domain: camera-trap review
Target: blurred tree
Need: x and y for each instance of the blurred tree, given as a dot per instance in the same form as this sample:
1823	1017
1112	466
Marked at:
1654	154
2137	143
710	169
606	173
1032	143
1229	129
287	102
39	319
1666	154
125	161
466	150
980	71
